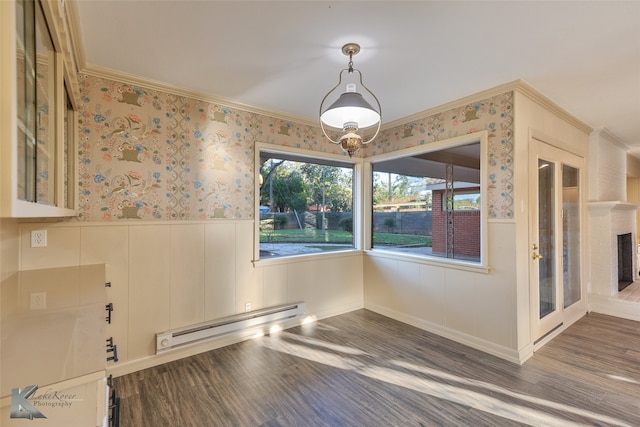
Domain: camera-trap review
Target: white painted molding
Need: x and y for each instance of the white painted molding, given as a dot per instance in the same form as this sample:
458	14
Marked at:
128	367
494	349
73	22
56	222
60	31
151	84
453	264
305	153
614	307
73	19
530	92
75	33
604	133
507	87
313	256
612	205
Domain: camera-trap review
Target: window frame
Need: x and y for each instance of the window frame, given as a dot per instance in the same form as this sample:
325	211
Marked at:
461	192
314	157
482	138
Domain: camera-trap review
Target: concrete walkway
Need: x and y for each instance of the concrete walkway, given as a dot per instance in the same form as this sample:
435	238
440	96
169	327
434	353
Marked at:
283	249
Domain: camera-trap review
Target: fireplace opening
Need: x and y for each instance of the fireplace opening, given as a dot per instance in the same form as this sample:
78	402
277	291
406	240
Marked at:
625	260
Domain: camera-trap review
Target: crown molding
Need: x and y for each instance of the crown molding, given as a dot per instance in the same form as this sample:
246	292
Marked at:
604	133
73	20
79	59
193	94
75	32
59	29
530	92
519	85
488	93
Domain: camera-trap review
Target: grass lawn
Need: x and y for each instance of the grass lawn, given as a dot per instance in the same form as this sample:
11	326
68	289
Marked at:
340	236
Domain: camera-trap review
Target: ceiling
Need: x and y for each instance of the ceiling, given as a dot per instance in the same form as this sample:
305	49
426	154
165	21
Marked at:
284	56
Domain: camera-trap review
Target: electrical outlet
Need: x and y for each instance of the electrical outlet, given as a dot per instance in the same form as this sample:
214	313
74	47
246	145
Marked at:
247	307
38	300
38	238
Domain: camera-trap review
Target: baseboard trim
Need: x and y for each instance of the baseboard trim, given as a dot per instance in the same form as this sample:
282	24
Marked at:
128	367
514	356
629	310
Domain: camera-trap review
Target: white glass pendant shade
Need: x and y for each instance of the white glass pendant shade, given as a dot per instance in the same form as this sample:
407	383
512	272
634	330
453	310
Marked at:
351	112
350	107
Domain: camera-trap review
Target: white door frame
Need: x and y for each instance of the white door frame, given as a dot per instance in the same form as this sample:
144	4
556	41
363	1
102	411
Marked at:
544	329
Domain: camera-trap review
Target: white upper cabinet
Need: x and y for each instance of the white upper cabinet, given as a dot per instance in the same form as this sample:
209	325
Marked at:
38	133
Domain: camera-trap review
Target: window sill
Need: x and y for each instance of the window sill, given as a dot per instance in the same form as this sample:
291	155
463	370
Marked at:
290	259
429	260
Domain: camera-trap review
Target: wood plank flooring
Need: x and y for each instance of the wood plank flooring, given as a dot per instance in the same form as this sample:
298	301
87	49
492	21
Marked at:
363	369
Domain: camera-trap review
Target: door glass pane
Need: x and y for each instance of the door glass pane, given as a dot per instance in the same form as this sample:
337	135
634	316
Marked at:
546	234
45	69
570	234
68	153
26	104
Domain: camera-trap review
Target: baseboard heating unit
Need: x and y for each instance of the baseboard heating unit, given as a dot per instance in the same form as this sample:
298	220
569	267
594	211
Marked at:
181	337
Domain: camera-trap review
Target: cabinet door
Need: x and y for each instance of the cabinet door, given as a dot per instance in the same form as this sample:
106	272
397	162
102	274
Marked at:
26	99
36	81
47	112
37	170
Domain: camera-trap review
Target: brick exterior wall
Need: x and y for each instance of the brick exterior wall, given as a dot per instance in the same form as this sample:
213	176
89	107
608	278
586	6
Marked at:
466	238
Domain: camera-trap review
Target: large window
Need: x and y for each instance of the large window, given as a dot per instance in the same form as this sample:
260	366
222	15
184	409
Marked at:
429	203
306	205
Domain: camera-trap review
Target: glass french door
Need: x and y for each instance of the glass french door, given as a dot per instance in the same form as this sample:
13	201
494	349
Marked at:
557	293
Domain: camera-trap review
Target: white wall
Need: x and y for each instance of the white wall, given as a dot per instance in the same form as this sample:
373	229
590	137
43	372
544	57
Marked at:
633	186
468	305
9	247
608	167
613	211
9	264
169	275
538	117
633	166
487	310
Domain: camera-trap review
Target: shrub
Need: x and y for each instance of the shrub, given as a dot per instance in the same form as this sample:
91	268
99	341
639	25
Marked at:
280	220
347	224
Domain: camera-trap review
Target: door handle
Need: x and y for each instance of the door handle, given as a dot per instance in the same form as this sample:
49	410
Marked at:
535	255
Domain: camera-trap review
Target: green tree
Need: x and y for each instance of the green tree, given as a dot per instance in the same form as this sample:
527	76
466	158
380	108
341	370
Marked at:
267	169
340	198
289	192
329	186
390	186
284	187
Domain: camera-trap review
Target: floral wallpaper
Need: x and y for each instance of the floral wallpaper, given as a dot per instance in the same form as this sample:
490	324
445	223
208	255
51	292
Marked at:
149	155
495	115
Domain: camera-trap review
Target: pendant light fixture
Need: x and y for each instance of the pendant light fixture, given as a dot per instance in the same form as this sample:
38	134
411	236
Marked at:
350	112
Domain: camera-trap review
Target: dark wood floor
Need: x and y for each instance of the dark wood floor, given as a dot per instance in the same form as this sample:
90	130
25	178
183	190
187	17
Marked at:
363	369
